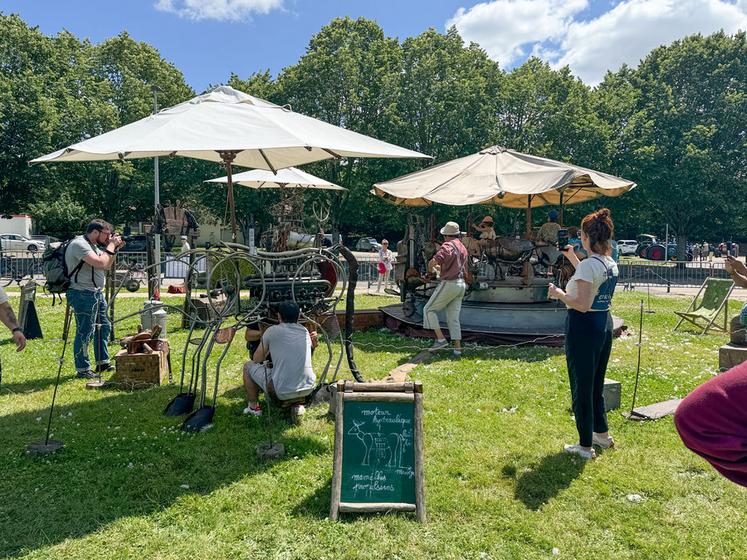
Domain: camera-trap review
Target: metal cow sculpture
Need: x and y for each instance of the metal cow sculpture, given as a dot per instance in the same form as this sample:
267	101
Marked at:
242	287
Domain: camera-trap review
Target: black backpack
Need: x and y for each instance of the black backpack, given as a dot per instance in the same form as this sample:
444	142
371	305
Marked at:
55	268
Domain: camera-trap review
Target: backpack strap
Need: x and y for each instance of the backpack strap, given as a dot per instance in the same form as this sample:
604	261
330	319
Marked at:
80	264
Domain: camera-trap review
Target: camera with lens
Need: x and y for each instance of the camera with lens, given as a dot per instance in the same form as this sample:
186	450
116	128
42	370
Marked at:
563	238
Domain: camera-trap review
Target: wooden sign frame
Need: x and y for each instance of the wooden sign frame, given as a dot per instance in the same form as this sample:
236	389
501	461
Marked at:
378	392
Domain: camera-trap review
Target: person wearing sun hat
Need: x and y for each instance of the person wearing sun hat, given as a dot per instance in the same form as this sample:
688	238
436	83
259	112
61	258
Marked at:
486	229
451	260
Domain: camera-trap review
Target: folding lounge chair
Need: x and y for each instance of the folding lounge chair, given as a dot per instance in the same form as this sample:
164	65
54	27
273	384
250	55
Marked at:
715	300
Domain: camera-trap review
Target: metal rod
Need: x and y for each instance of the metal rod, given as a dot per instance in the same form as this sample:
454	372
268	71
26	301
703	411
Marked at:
65	328
638	366
157	193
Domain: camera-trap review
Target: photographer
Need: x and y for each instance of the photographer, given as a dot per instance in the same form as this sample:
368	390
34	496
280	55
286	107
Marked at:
87	257
588	334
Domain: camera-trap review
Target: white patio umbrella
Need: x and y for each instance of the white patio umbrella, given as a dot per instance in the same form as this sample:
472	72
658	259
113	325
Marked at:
503	177
228	126
289	178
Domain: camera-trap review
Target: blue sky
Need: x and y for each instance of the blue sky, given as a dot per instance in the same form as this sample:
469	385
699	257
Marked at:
209	39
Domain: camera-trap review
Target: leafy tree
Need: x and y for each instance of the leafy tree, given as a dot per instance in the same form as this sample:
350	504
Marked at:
61	217
687	135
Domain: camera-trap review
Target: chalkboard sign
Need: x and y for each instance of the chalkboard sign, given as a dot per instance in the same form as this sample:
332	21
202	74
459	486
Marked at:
378	448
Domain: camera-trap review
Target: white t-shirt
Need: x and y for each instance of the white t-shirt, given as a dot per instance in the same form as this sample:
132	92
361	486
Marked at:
593	271
290	347
3	296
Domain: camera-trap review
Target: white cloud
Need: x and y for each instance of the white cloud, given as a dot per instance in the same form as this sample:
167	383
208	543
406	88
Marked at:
222	10
509	30
633	28
505	27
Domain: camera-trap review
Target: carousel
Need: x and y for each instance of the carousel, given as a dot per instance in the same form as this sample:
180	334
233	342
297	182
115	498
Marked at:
508	300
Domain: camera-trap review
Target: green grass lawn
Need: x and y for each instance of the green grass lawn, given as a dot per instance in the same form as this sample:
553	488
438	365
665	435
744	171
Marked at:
130	484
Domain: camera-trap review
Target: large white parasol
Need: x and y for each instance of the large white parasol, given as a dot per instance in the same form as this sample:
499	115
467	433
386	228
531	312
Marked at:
289	178
228	126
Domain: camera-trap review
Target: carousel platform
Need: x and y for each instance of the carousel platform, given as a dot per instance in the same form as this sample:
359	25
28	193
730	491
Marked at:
494	323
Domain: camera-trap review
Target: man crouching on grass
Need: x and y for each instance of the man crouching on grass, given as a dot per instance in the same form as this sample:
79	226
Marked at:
289	376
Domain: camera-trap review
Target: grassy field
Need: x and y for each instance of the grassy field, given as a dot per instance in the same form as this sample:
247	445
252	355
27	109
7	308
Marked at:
130	484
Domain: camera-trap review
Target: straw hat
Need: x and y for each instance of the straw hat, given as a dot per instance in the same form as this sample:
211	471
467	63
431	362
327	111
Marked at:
487	220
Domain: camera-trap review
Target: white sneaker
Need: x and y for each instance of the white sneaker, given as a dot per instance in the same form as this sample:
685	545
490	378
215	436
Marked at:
603	442
457	353
254	410
580	451
439	345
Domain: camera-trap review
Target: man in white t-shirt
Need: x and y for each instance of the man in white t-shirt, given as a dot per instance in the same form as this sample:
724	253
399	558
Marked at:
290	375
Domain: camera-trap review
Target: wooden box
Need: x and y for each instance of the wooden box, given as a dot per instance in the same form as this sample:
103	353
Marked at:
730	355
140	370
612	394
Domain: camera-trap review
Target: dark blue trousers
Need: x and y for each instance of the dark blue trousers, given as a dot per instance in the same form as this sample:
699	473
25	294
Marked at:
588	342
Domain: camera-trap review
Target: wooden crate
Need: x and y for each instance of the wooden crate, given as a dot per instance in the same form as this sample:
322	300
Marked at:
140	370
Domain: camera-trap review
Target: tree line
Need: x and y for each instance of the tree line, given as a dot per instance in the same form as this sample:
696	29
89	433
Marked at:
675	124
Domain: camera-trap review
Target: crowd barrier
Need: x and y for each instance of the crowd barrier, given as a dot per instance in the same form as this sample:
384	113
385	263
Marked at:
18	266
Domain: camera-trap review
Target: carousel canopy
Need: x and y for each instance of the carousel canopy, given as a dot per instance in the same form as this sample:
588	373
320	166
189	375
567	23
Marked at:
503	177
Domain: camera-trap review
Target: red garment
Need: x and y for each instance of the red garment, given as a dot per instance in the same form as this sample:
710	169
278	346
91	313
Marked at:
712	422
450	256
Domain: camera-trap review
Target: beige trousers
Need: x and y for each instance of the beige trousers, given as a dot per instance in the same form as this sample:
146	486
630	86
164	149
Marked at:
446	297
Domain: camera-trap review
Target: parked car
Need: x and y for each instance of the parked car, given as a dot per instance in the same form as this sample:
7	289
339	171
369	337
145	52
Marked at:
135	244
17	242
627	247
368	244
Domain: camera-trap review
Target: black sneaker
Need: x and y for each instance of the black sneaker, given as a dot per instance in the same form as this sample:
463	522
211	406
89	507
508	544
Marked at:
88	374
101	368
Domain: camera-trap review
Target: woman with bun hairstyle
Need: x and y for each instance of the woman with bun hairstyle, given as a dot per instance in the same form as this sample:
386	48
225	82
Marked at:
588	331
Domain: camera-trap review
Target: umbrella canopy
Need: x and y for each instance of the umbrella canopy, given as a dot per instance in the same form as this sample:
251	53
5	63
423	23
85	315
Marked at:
289	178
504	177
261	134
228	126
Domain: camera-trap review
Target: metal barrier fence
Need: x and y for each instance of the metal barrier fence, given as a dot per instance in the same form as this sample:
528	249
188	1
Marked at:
673	273
19	266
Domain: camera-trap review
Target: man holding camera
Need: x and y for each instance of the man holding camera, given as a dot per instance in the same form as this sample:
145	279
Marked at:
87	257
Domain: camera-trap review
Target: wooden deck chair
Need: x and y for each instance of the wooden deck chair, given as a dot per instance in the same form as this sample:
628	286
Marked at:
715	301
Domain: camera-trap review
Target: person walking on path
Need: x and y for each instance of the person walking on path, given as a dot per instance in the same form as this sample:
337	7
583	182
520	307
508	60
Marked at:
588	333
385	265
87	257
451	263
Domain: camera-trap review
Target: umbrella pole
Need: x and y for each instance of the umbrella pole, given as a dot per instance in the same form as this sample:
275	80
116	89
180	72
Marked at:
529	217
562	219
228	158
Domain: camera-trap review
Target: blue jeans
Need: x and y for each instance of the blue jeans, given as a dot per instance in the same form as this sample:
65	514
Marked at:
92	322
